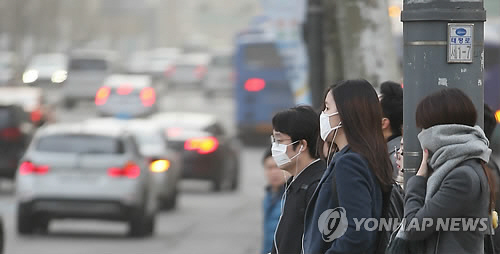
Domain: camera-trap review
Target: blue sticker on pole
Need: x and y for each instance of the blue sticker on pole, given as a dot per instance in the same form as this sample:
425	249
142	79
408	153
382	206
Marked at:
461	32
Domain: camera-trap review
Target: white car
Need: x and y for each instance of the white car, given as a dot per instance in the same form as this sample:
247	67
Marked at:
46	69
190	69
87	71
84	171
126	96
161	61
220	76
164	162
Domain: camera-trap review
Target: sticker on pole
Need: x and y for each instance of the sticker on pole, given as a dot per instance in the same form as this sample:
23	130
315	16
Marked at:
460	42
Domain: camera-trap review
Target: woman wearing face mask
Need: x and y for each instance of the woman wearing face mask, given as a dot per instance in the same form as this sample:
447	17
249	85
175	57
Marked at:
452	183
356	176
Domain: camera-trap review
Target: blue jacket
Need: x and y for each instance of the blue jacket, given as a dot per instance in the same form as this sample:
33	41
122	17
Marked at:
358	192
272	211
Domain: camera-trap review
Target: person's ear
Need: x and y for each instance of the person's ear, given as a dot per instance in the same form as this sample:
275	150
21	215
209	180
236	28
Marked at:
386	123
303	144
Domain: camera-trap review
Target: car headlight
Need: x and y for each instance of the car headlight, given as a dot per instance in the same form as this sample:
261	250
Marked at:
59	76
30	76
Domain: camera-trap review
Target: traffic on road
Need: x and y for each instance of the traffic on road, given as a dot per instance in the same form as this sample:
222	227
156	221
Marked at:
122	153
126	127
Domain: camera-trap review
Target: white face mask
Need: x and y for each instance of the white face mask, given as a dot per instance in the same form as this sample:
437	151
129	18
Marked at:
324	125
278	152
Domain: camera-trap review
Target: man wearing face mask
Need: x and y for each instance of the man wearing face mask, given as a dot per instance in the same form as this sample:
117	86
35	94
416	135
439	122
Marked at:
295	134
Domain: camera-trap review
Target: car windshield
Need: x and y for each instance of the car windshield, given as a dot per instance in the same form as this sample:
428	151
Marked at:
262	56
149	139
186	66
90	144
48	61
161	60
88	65
489	52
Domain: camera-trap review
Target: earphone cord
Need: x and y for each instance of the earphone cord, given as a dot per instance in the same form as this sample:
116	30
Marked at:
287	186
330	149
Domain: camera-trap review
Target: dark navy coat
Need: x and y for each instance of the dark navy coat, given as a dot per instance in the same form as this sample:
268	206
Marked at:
358	192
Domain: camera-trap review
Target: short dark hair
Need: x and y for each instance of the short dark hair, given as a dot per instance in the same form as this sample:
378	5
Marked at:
300	122
392	105
490	121
446	106
267	154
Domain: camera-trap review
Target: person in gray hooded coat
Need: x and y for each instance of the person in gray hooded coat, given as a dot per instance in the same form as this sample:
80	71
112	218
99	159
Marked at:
452	183
391	100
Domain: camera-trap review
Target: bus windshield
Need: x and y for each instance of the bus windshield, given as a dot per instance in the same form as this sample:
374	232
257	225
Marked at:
262	56
491	55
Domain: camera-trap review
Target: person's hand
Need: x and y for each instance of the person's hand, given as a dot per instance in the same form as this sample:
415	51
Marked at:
424	170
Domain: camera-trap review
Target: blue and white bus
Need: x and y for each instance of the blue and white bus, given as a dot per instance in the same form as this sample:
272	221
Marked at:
261	84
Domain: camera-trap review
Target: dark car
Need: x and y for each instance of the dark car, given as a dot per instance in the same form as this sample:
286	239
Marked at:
2	236
15	133
32	100
208	153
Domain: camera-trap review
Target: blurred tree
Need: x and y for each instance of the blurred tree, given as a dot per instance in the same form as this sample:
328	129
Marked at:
333	52
359	42
15	13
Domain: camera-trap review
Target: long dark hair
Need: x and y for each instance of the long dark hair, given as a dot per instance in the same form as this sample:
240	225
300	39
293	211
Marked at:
359	108
451	106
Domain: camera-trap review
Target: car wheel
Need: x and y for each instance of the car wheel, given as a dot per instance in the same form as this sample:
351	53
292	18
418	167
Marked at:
209	94
216	186
2	237
42	226
150	225
169	203
141	225
236	179
171	86
24	223
222	181
69	104
217	183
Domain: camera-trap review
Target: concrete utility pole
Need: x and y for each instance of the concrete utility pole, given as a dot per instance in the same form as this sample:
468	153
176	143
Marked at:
315	49
443	47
